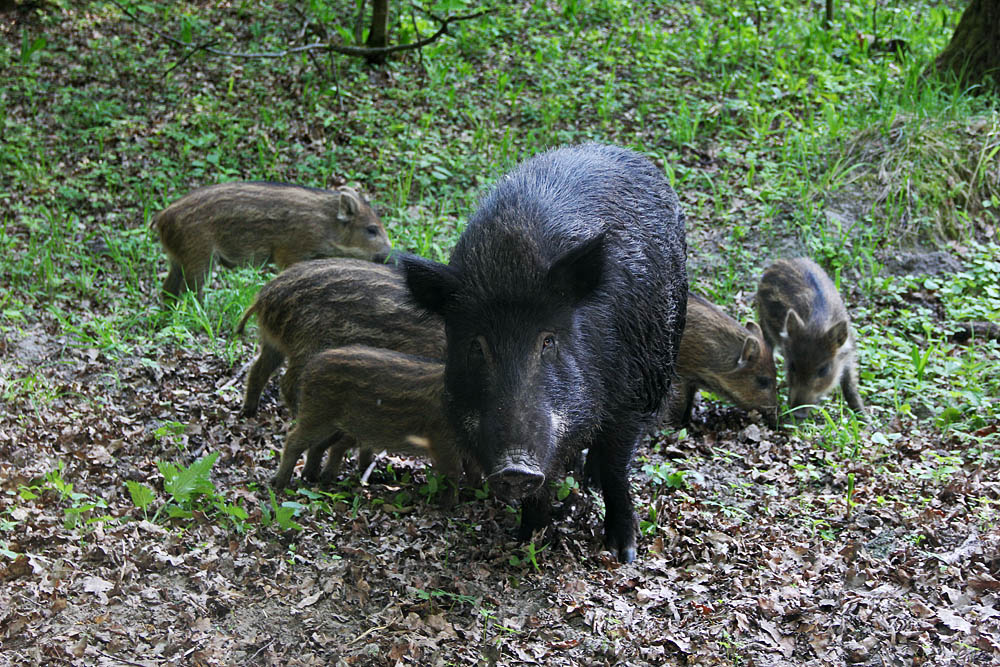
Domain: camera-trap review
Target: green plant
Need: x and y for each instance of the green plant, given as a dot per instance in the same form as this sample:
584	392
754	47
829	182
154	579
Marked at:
435	484
663	476
282	515
453	598
566	486
173	431
850	494
81	505
529	554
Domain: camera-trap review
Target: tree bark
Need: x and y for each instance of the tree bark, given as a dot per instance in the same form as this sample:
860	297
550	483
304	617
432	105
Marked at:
378	35
973	55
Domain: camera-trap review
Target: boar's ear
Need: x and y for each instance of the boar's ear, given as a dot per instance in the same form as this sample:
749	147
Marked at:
750	353
578	271
793	325
349	205
432	284
837	335
755	329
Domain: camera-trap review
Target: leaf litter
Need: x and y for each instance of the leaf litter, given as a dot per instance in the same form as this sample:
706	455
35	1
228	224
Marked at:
754	561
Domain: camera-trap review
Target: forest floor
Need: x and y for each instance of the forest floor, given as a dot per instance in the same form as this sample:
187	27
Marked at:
137	524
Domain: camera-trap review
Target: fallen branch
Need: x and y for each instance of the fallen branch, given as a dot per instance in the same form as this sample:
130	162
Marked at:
978	329
357	51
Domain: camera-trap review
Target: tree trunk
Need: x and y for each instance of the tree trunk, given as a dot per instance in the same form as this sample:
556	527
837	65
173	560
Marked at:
973	55
378	35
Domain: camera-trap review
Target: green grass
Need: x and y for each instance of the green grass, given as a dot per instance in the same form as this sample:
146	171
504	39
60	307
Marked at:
764	120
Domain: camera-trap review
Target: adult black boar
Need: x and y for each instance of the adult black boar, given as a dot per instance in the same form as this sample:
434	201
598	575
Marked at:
564	304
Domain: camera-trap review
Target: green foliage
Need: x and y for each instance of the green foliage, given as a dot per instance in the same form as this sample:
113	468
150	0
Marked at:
566	486
664	476
280	515
80	507
529	554
184	484
435	484
142	496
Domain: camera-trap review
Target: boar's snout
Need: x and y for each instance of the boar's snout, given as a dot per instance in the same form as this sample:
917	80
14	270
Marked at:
516	480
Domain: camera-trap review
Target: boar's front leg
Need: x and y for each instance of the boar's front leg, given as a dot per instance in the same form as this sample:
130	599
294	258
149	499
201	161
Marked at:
338	448
613	450
289	384
680	402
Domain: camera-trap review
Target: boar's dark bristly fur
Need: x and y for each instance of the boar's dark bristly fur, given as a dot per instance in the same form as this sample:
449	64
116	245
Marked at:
326	303
383	399
564	304
259	222
801	312
725	357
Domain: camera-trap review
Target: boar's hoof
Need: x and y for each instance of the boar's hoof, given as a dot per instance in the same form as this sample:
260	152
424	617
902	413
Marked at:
624	552
516	481
620	539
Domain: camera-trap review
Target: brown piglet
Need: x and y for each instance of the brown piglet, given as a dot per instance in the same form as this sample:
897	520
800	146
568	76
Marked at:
721	355
258	222
801	312
385	399
321	304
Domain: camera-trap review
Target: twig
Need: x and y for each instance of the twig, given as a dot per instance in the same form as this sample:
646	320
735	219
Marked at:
121	660
420	53
188	55
371	467
369	631
342	49
250	661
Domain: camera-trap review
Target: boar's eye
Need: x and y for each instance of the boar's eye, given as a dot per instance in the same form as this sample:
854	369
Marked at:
476	355
823	370
763	382
372	231
548	343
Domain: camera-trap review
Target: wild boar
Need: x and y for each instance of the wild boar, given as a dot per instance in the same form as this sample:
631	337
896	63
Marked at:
326	303
724	357
800	312
563	304
382	398
255	223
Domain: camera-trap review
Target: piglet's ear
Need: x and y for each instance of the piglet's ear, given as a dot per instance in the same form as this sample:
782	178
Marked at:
349	205
750	353
579	270
793	325
837	335
432	284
